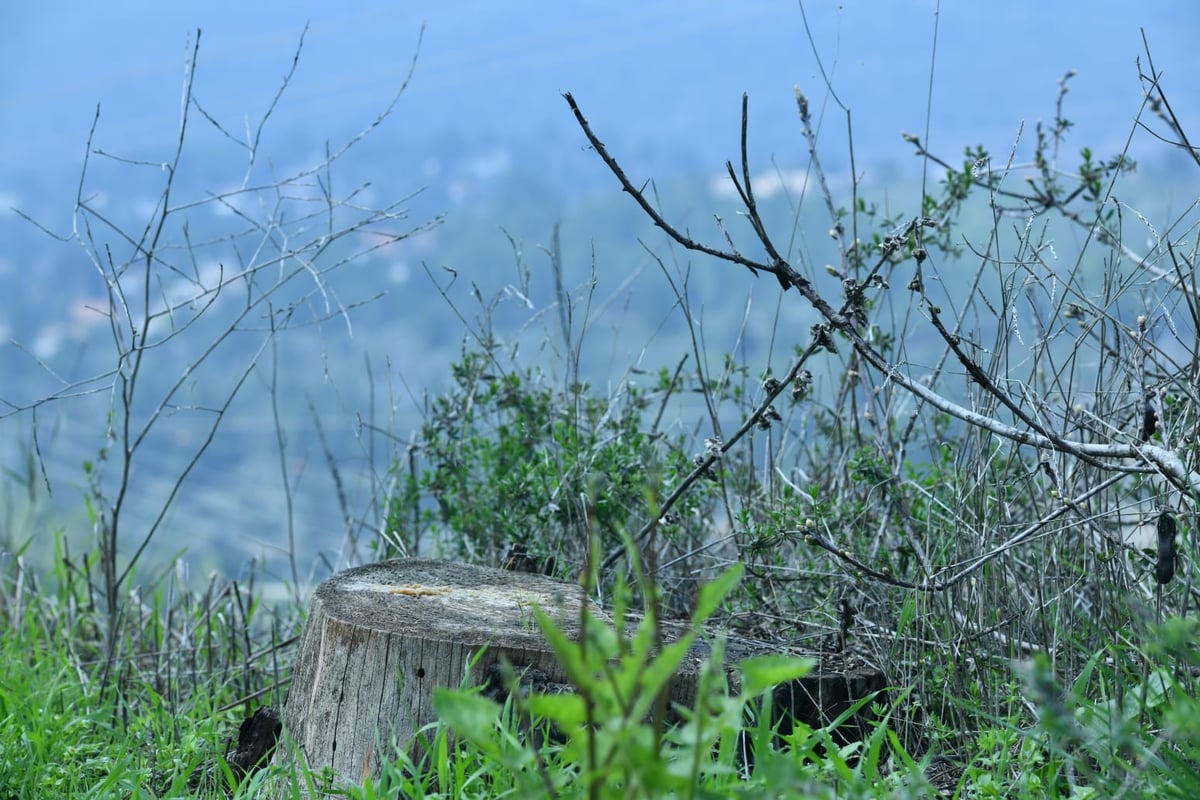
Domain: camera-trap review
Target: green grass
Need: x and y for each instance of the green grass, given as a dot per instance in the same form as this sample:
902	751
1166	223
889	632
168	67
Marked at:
147	713
71	726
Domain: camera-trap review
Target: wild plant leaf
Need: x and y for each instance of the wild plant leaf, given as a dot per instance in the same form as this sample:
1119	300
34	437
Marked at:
663	667
762	673
713	593
471	716
571	657
568	711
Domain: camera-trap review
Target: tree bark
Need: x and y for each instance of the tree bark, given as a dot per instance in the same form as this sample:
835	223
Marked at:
380	638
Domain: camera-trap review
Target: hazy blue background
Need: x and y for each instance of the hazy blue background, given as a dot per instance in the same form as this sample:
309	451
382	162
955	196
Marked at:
660	81
660	73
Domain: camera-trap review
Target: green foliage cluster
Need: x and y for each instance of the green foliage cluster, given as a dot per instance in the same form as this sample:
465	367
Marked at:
610	739
505	459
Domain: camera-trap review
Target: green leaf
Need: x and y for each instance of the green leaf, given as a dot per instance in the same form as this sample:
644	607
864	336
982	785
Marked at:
662	668
568	652
713	593
567	710
470	715
762	673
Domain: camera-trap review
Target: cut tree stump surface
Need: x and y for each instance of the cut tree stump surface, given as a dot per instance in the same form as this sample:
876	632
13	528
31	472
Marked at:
380	638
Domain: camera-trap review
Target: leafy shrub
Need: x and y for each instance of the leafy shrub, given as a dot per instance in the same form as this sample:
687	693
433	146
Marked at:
504	459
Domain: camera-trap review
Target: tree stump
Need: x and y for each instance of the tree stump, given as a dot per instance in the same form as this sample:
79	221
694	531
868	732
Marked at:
380	638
